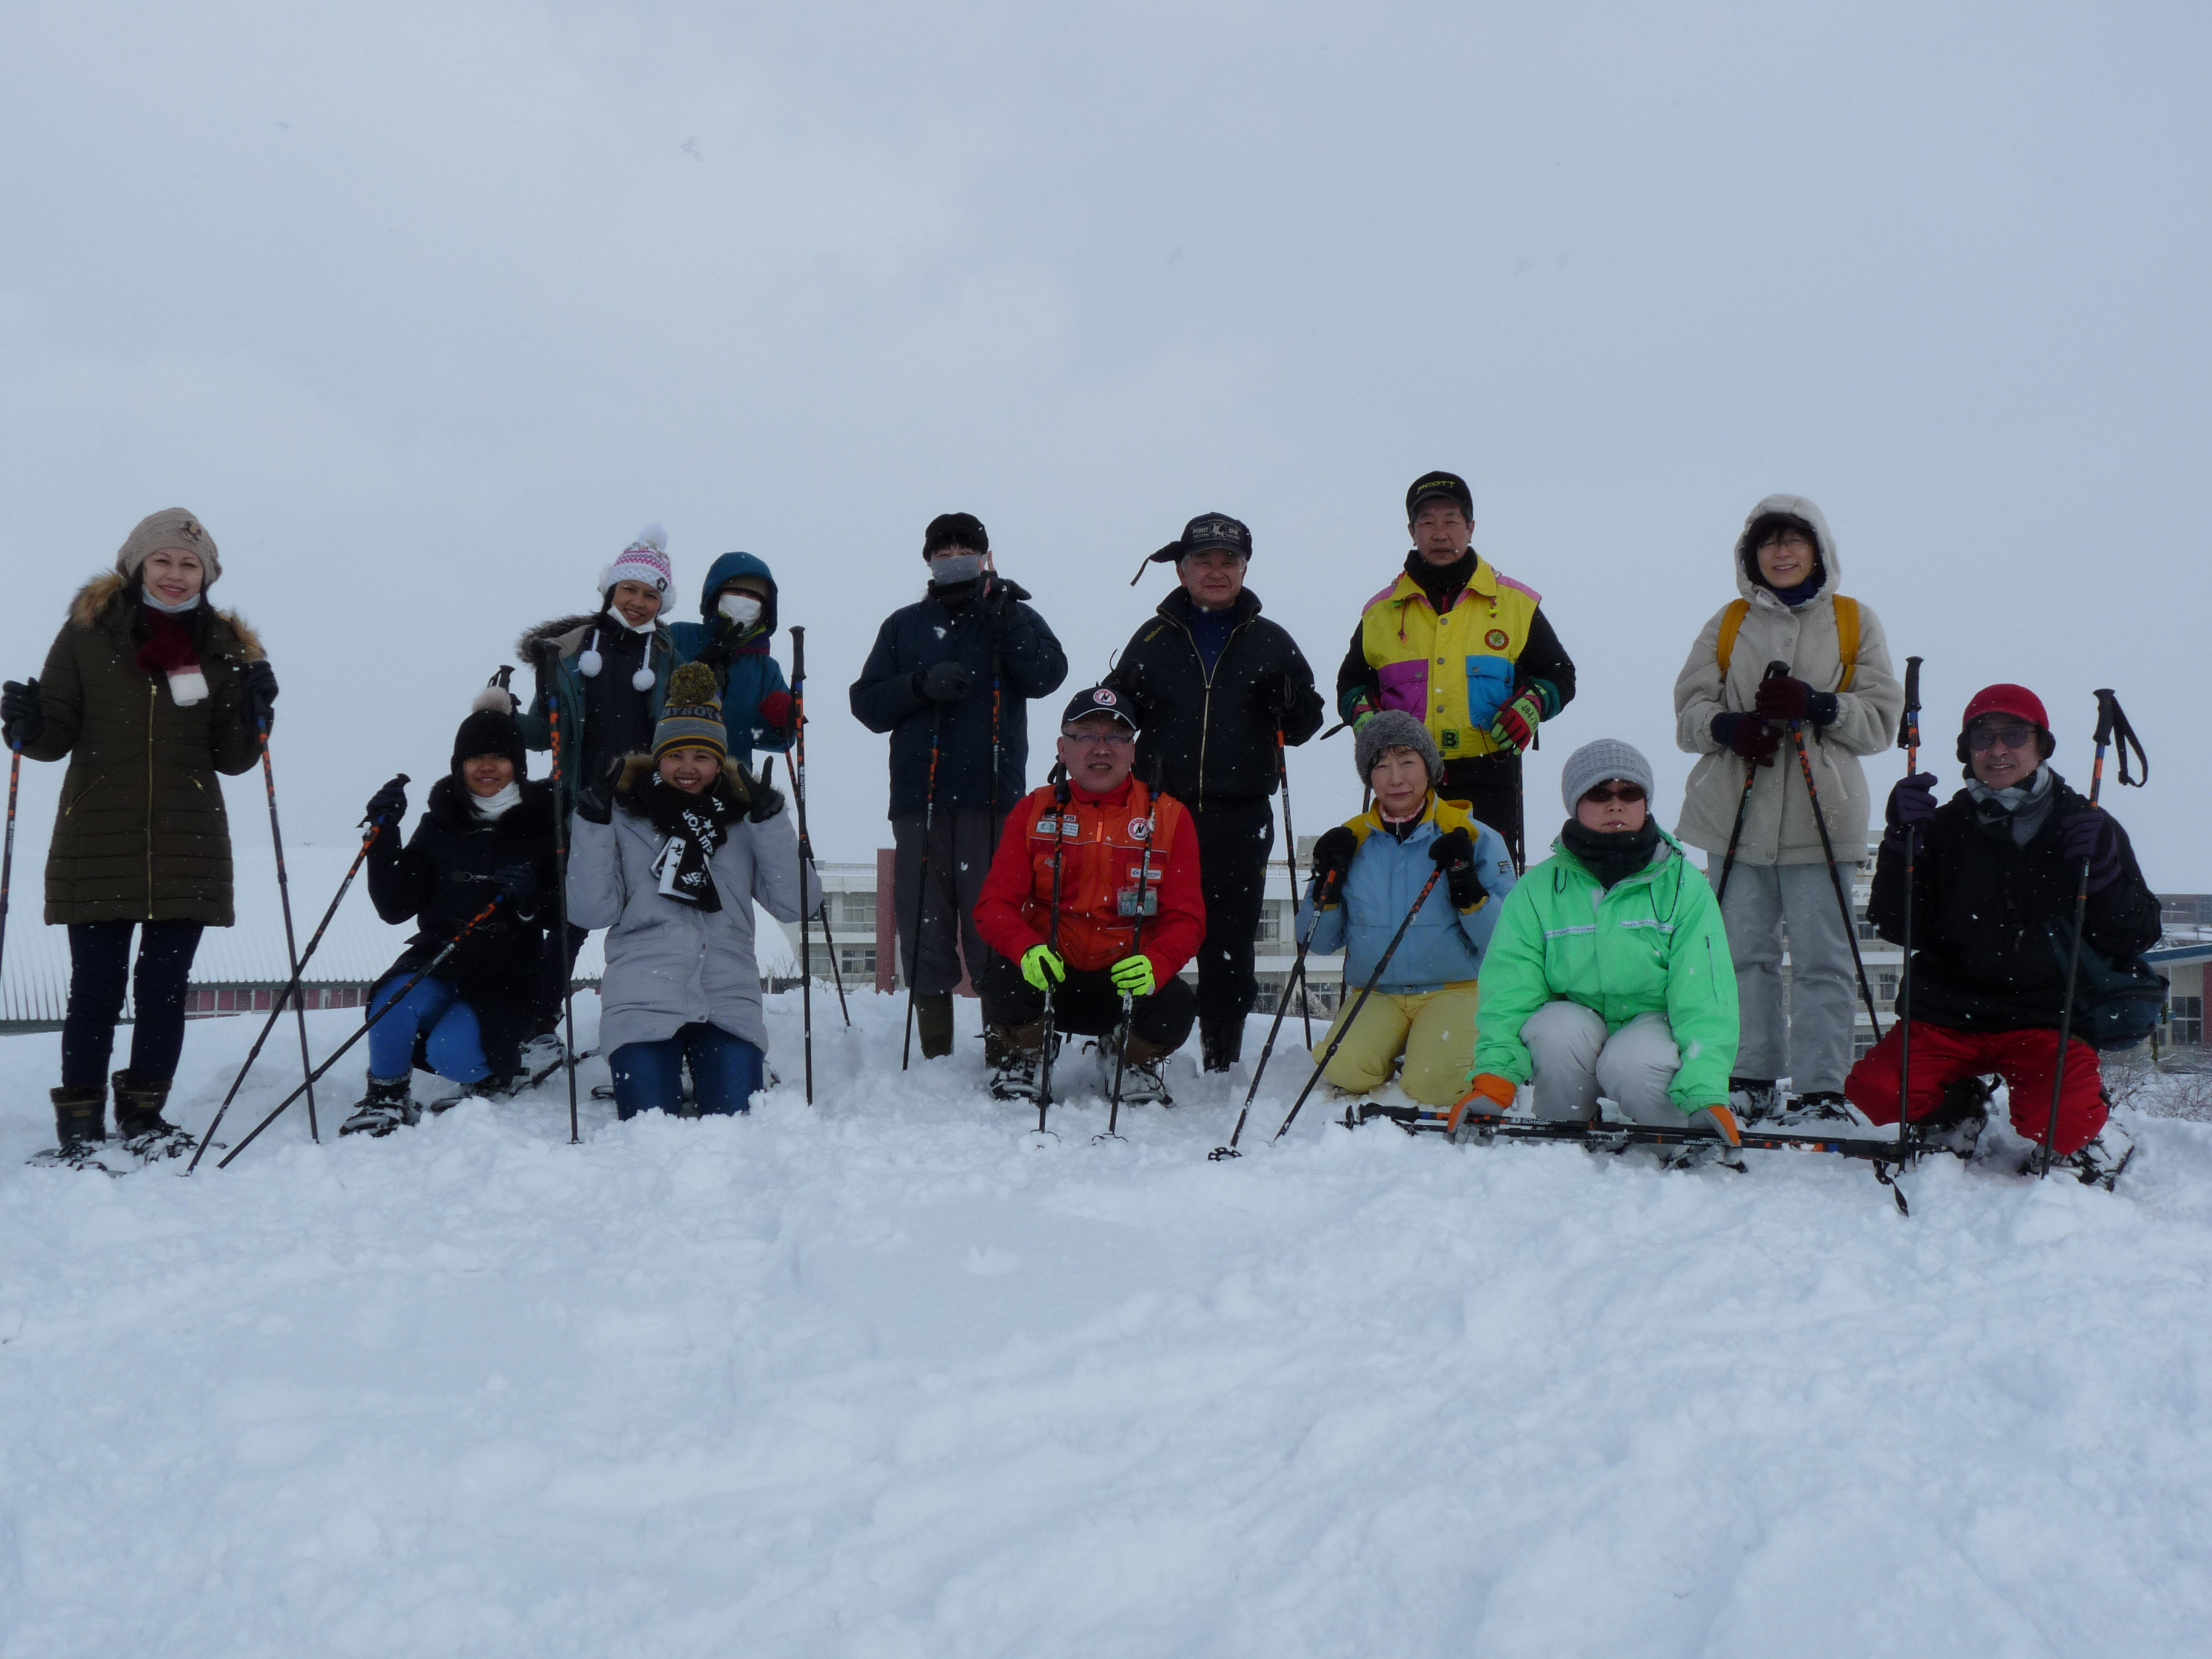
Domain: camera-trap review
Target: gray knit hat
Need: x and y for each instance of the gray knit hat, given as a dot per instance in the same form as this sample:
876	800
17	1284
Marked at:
1593	763
1394	728
171	527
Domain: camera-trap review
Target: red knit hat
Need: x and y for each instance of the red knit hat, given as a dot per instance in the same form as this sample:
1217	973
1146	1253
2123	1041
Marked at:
2016	700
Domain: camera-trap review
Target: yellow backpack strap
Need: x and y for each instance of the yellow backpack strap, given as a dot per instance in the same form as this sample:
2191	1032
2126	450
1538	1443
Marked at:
1731	624
1847	639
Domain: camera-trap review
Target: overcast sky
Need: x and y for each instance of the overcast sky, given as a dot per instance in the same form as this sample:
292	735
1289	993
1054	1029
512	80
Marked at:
425	309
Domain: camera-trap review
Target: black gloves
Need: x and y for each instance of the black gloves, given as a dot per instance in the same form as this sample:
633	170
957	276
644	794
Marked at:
595	797
389	803
1285	695
1453	854
998	603
1748	736
766	804
516	884
260	694
2092	836
1332	856
1783	698
944	682
22	713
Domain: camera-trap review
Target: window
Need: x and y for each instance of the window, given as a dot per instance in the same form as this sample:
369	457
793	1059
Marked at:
1885	987
2186	1015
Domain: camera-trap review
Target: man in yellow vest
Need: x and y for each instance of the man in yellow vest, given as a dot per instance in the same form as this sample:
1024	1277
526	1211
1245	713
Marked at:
1466	651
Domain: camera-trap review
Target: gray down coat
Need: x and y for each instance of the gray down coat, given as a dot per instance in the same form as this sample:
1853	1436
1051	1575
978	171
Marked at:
1778	827
670	965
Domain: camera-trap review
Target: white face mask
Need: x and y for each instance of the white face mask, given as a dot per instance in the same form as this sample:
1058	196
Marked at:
742	609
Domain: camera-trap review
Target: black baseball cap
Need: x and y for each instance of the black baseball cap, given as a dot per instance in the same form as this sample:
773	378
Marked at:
1439	483
1211	530
1099	699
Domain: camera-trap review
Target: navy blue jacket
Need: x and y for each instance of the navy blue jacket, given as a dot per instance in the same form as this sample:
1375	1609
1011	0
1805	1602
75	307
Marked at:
744	671
1030	664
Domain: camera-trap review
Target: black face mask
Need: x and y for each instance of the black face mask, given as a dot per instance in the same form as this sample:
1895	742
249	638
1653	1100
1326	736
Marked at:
1612	856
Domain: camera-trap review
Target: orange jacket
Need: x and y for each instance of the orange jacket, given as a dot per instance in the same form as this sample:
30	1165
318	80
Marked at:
1102	854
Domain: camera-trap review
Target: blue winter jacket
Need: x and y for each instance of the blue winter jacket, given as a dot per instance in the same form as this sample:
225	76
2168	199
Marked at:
1444	946
743	668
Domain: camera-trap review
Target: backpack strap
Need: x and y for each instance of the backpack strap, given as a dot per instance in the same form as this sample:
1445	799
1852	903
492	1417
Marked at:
1847	639
1731	624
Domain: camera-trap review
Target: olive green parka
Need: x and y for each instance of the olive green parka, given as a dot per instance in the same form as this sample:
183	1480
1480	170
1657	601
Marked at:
142	834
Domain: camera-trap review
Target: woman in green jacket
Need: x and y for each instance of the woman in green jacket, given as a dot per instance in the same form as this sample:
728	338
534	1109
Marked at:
1609	972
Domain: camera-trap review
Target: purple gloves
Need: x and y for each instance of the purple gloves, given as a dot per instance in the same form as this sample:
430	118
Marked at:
2093	836
1911	806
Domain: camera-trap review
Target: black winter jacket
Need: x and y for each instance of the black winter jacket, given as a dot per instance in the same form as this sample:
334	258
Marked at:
442	877
999	627
1212	738
1983	957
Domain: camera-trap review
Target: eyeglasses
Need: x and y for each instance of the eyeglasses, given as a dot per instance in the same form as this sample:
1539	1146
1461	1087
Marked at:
1092	739
1627	792
2012	737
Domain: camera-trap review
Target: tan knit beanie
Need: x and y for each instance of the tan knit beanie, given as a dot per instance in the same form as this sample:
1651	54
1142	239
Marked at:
171	527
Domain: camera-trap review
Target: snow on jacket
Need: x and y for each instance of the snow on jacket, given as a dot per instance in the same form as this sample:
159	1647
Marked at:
1100	847
1983	957
1778	825
744	673
1653	944
1210	737
550	651
1444	946
975	634
670	965
142	834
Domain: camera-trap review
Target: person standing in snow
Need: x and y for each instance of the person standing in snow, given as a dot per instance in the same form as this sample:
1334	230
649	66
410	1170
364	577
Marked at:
609	672
736	611
950	677
1372	869
1463	649
1098	827
150	692
1841	689
1994	891
670	858
487	833
1607	974
1215	690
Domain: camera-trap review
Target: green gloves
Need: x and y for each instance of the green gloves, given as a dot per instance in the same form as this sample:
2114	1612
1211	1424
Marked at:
1132	976
1039	960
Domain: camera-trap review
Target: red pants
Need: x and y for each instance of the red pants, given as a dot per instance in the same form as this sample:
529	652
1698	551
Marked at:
1943	1054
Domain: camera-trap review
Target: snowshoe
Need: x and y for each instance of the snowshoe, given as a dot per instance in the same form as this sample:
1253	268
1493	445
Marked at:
388	1105
1702	1155
1017	1053
1955	1126
1144	1072
1822	1106
1753	1100
80	1130
2097	1164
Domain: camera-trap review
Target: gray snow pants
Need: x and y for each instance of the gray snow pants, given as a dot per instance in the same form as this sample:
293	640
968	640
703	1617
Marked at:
1575	1062
960	845
1811	1043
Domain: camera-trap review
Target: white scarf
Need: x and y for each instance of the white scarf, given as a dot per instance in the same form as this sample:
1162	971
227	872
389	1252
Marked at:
495	806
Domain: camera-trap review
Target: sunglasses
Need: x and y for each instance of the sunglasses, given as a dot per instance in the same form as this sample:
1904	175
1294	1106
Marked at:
1627	792
2012	737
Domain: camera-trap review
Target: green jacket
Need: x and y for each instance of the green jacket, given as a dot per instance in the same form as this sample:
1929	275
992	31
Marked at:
1653	944
141	835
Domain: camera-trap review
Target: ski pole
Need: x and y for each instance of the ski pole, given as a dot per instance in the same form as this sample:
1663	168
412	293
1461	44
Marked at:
1743	801
367	1026
922	882
1145	897
376	826
561	910
2110	721
1291	869
806	849
1828	848
1908	739
8	858
1344	1027
1324	896
1059	786
291	949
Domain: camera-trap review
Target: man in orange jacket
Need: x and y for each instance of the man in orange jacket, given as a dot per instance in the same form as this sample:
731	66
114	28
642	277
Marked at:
1086	841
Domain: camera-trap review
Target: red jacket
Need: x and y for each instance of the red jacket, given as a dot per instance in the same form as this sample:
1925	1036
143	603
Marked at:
1102	854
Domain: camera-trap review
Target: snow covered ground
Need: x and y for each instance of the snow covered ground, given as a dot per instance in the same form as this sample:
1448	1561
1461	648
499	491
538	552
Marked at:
878	1378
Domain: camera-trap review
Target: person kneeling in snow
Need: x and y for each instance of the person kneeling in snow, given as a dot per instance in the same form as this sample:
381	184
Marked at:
1366	874
486	835
1083	843
671	862
1608	974
1994	891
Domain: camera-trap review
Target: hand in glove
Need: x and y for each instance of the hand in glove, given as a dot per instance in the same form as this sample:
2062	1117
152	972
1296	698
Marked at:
1748	736
775	710
998	602
2092	836
595	798
388	804
1039	960
1488	1094
1284	696
1911	806
1332	856
516	884
1132	976
1516	726
22	713
944	682
260	694
766	804
1783	698
1454	854
1721	1122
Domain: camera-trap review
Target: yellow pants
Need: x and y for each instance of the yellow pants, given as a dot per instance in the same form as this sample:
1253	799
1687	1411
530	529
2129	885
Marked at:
1435	1031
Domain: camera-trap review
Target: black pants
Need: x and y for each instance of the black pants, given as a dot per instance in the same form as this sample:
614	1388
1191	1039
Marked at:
99	972
1491	784
1234	844
961	842
1087	1004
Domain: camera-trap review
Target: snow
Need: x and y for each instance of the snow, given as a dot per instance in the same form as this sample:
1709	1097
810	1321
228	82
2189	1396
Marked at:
881	1377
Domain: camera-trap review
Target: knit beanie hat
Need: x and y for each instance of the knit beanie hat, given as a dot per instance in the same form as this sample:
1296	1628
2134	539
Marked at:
171	527
692	717
490	729
645	560
955	530
1394	728
1593	763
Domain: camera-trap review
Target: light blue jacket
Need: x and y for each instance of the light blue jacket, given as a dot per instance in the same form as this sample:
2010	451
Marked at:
1444	946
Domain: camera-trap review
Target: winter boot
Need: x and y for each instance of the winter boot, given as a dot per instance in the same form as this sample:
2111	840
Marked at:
1753	1099
80	1117
1822	1106
138	1107
1018	1072
2097	1164
1956	1125
1144	1072
933	1018
1221	1041
388	1105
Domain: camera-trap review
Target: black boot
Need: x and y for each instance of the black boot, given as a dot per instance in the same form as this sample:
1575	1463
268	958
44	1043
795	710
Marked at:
80	1117
138	1106
932	1017
1220	1041
388	1105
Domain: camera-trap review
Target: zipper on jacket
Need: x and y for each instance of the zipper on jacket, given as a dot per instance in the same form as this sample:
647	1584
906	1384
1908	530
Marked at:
1205	704
153	701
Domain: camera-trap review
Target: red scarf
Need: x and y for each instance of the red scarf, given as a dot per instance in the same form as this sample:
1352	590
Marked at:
170	650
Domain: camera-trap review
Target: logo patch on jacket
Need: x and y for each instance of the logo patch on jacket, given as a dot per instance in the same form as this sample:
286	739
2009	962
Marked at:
1497	639
1139	829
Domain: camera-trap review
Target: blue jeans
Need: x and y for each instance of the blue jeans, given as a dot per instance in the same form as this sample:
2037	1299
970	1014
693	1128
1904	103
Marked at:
726	1072
453	1045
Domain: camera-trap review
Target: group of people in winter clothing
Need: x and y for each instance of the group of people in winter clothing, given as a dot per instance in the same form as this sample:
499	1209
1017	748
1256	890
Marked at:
1612	968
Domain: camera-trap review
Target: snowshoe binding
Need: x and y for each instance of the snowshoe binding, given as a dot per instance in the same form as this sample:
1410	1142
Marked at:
145	1133
1144	1072
1017	1054
1813	1110
388	1105
1753	1100
2097	1164
1955	1125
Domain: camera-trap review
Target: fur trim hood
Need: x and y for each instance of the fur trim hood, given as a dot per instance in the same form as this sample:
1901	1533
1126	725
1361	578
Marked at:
563	637
736	787
104	593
